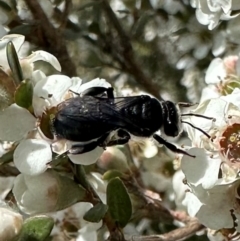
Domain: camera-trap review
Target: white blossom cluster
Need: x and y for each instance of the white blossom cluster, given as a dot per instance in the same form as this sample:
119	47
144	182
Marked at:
213	181
210	12
39	189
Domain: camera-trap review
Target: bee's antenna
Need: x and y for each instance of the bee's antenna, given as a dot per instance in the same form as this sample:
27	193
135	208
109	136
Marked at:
197	115
199	129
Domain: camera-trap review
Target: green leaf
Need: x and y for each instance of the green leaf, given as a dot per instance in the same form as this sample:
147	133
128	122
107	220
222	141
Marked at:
24	94
36	228
14	64
118	201
108	175
96	213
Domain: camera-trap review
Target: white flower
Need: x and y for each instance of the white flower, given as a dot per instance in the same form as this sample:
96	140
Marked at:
10	223
212	177
27	63
37	154
15	123
222	77
213	200
46	192
33	154
210	12
73	216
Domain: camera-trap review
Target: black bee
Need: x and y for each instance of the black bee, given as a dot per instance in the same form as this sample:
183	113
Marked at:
92	117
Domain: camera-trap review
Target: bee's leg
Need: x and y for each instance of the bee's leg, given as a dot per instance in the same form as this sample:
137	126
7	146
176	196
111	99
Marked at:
123	138
94	91
170	146
82	148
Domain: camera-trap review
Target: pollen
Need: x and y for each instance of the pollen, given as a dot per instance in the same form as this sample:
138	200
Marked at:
230	143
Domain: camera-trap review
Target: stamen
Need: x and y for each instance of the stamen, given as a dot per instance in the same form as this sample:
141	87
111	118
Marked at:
199	129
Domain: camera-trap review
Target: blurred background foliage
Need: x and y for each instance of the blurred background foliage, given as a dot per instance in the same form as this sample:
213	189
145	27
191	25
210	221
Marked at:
156	46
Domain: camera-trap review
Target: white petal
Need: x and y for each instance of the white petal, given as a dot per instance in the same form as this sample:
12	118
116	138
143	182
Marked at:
94	83
215	216
217	5
194	3
15	123
10	224
233	98
202	169
87	236
76	84
44	56
37	75
39	105
213	108
202	17
53	88
32	155
216	213
6	184
36	194
215	72
179	187
17	41
88	157
192	203
209	92
237	221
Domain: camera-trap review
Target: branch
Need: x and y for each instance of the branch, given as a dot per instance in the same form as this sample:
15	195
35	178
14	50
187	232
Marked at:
178	234
53	40
131	64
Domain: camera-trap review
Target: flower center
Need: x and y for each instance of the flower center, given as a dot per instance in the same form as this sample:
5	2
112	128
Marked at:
227	86
230	143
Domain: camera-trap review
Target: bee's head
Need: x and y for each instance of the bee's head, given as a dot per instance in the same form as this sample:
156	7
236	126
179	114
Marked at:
171	119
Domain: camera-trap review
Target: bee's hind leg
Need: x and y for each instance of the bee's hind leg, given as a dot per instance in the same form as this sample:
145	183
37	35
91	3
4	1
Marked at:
80	148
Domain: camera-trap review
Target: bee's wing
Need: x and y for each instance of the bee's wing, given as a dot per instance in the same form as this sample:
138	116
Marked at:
104	111
119	110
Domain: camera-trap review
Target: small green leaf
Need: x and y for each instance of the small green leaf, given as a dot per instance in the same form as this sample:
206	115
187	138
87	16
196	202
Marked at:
111	174
118	201
24	94
14	64
96	213
36	228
